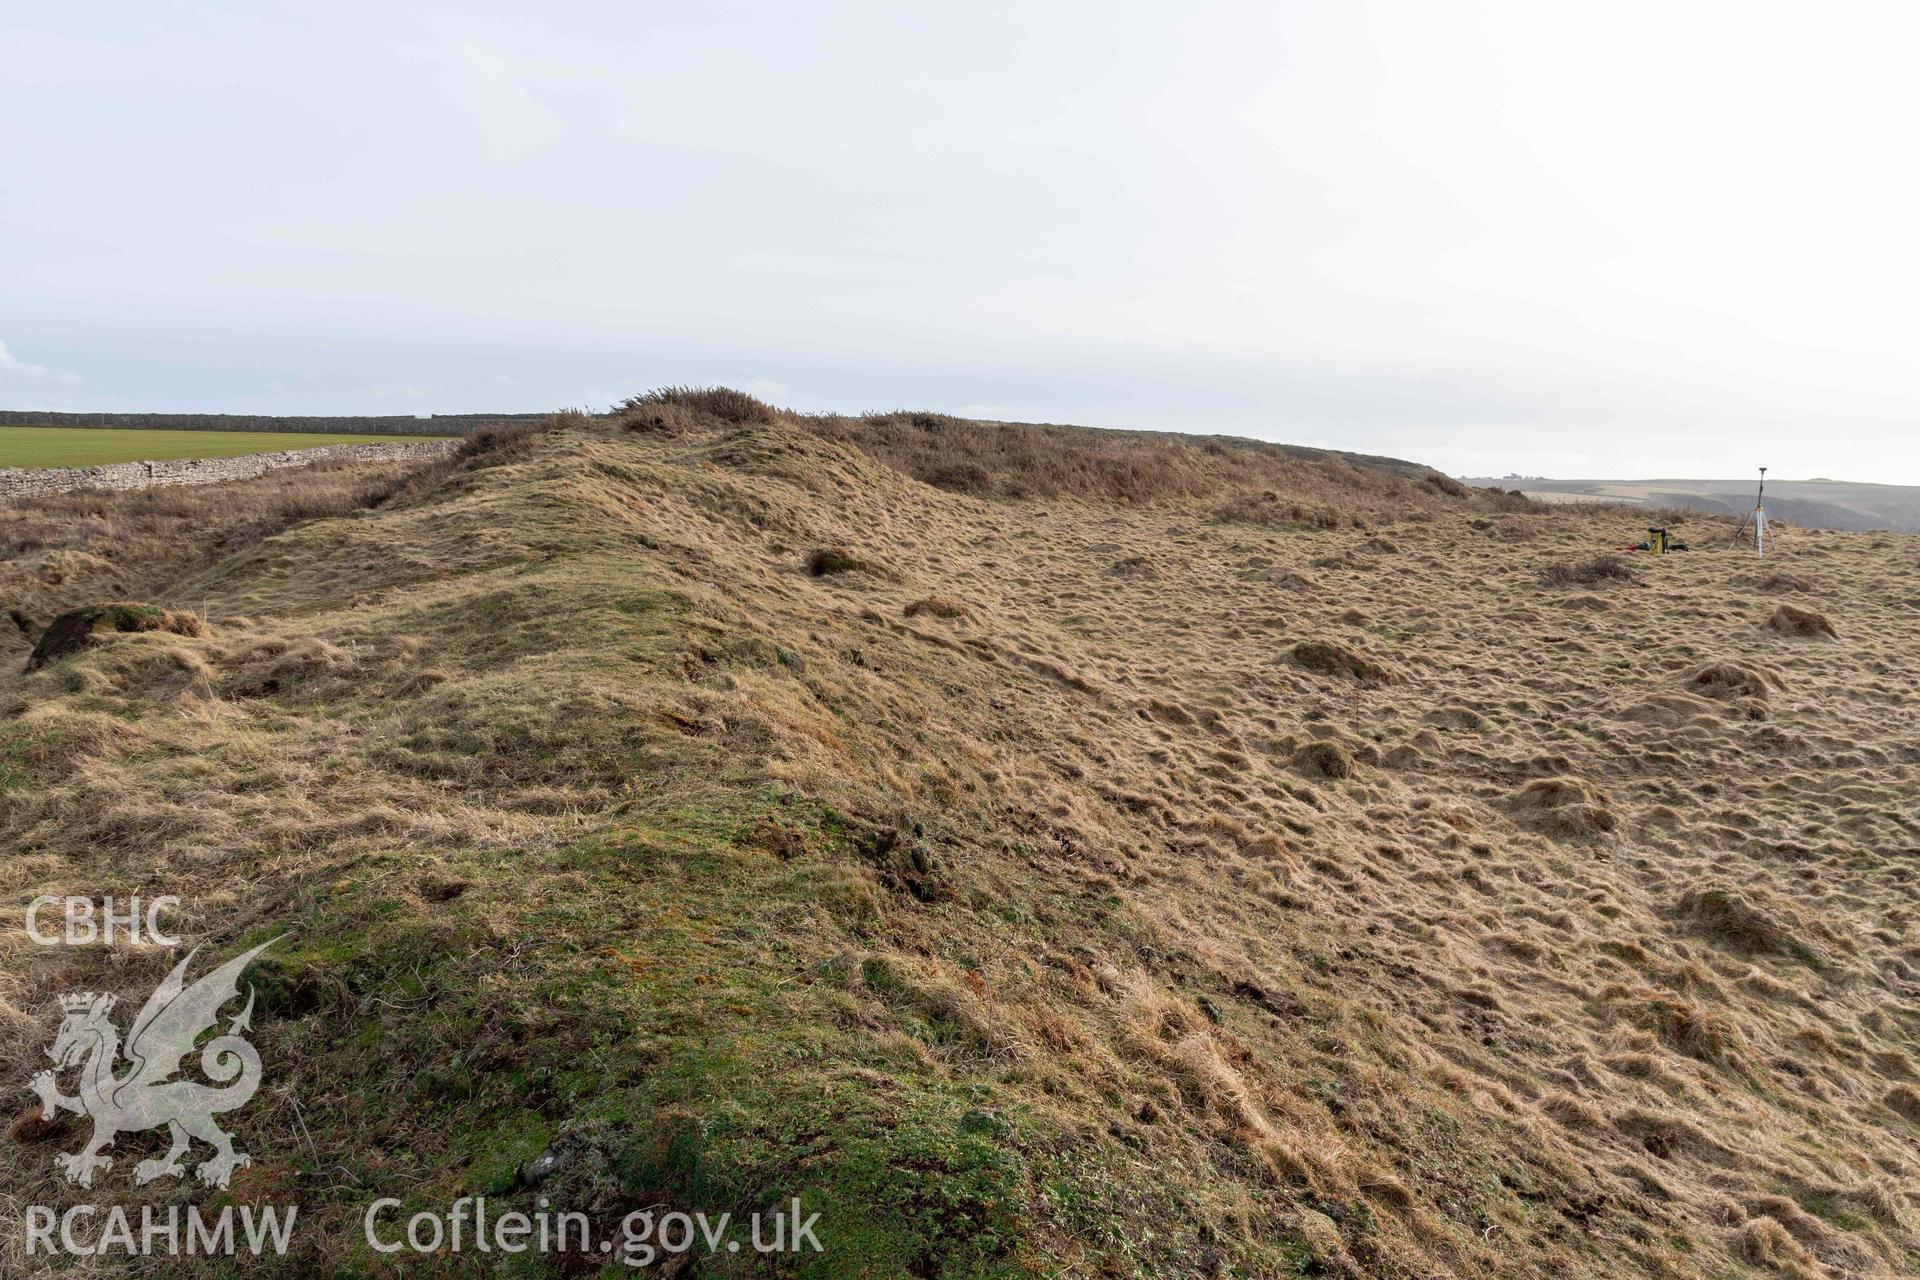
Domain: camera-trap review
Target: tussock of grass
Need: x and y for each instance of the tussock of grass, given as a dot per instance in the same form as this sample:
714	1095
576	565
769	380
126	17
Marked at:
1785	582
1330	658
1324	760
1564	807
74	631
1601	568
1791	620
937	607
1266	510
1571	1112
824	562
721	403
1747	923
1764	1242
1729	680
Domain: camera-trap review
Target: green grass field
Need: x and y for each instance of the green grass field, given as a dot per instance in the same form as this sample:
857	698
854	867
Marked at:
92	446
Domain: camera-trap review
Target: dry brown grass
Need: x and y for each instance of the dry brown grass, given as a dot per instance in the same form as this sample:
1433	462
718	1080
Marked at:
1748	922
73	632
1791	620
1785	582
1331	658
1764	1242
1266	510
1324	760
824	562
938	607
65	551
1600	568
1730	680
606	827
91	547
1250	481
723	404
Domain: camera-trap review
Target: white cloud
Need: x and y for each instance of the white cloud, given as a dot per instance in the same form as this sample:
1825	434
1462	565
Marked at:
13	366
10	363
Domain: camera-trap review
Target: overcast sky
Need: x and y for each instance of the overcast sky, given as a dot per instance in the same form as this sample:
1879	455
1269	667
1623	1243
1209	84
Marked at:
1571	239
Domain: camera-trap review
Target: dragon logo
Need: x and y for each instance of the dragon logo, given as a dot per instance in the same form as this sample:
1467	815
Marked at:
140	1094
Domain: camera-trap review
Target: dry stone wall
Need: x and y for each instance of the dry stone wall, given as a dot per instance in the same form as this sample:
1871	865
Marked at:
27	482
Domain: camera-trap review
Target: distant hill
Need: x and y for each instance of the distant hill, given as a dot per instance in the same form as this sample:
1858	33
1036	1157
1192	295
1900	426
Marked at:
1823	504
